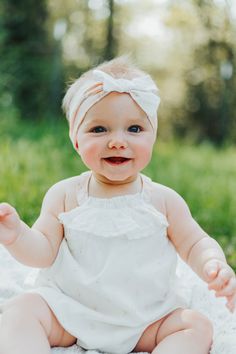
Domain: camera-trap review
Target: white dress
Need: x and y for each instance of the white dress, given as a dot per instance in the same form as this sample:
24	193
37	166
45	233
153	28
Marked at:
115	272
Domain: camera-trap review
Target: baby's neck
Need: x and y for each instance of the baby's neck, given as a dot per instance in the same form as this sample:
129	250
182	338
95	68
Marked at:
101	187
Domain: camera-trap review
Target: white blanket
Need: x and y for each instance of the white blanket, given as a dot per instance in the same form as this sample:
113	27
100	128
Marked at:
13	274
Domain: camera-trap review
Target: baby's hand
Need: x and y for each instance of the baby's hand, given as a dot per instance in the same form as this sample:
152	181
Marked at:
9	224
221	278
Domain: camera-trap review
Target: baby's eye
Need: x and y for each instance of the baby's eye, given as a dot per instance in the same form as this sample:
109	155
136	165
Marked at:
135	129
98	129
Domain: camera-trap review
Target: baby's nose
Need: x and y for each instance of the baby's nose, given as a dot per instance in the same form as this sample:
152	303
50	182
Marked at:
117	142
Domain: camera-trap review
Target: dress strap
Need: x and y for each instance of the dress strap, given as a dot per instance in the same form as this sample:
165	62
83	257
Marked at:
147	188
82	187
83	184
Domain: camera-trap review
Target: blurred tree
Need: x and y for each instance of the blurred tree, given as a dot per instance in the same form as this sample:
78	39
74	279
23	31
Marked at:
207	110
111	41
92	32
25	63
211	94
201	71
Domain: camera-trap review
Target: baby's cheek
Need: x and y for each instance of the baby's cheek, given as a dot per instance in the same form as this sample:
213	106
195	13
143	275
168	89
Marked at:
88	153
145	155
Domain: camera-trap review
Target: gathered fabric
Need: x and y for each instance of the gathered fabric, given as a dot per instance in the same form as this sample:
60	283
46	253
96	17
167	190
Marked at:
142	89
115	272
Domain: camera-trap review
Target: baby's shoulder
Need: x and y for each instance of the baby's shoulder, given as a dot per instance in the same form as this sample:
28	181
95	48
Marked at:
63	193
171	202
163	197
61	187
159	189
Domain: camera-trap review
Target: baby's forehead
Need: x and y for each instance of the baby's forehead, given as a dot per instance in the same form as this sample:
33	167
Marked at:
117	104
96	118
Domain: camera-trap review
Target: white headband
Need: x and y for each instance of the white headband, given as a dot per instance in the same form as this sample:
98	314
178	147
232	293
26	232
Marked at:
142	89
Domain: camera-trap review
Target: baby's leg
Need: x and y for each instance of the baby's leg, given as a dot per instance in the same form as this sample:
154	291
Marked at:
183	331
28	326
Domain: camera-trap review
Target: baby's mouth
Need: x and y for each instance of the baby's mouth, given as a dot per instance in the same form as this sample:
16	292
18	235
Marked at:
116	160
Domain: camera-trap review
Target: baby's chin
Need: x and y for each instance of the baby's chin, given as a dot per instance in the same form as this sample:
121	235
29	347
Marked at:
115	178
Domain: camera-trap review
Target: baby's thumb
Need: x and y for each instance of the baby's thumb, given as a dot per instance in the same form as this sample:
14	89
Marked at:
211	270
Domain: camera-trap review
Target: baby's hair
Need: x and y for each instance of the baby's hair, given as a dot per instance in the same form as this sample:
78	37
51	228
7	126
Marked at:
120	67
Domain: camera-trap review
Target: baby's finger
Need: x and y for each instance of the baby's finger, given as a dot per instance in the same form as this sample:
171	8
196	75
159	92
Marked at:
222	278
229	289
231	301
211	270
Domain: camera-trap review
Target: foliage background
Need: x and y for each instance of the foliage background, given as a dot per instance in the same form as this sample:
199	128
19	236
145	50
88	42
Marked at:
188	46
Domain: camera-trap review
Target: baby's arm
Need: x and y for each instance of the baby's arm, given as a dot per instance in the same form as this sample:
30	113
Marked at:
201	252
36	246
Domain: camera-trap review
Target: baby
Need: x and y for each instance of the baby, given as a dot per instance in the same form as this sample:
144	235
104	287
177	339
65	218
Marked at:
107	240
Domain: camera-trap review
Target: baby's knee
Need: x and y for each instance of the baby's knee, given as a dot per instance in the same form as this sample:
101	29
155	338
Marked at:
201	325
24	307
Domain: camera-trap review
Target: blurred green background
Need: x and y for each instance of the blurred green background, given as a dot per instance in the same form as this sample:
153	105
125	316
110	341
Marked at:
187	46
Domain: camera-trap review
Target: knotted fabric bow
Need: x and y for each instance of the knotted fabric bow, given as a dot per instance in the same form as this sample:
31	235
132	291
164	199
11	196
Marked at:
142	90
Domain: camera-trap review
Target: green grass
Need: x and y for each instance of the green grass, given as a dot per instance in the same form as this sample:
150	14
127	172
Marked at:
35	156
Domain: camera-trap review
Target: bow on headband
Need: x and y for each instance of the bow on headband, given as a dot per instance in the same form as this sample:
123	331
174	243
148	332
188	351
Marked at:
142	89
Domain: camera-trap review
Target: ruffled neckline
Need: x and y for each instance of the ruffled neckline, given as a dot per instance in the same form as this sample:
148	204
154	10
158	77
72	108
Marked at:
120	202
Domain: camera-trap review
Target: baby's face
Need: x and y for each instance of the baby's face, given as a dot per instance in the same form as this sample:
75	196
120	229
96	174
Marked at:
116	138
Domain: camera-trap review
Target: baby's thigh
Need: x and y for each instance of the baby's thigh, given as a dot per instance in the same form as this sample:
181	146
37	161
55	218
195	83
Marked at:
186	319
147	341
178	320
30	307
